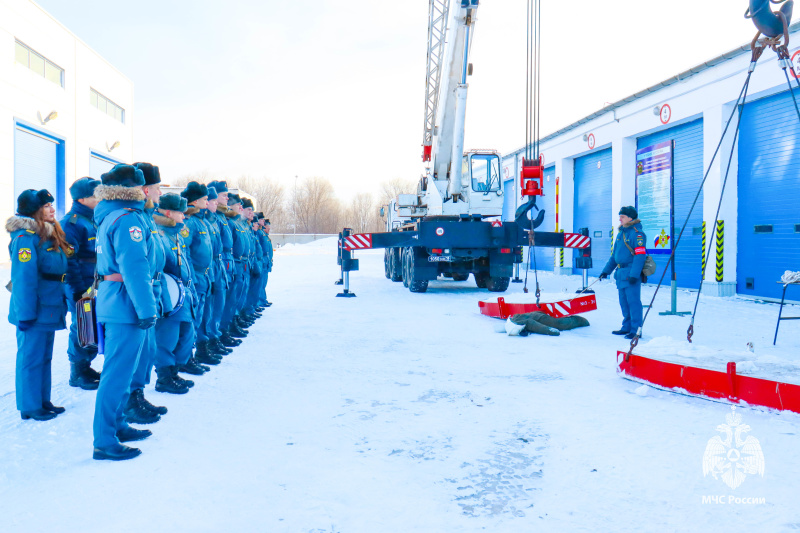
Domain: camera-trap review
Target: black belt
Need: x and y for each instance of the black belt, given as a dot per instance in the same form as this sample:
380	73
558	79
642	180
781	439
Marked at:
54	277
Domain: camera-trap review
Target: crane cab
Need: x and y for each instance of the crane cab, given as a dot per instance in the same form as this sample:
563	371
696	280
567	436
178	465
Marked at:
484	183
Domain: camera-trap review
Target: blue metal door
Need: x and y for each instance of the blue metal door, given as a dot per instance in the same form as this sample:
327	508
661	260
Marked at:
544	256
687	165
592	205
36	165
769	195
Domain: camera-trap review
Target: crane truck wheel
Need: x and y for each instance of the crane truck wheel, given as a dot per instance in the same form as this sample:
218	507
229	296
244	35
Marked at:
387	263
480	279
395	265
404	263
499	284
414	285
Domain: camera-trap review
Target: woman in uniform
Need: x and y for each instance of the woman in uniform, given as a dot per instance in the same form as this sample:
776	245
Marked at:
38	306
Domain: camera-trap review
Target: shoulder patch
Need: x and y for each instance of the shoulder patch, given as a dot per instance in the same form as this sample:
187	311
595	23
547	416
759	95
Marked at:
73	219
135	233
24	255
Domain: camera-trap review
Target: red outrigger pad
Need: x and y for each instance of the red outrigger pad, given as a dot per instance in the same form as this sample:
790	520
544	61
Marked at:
710	384
572	306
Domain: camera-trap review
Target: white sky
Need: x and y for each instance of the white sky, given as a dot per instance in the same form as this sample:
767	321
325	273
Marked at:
336	89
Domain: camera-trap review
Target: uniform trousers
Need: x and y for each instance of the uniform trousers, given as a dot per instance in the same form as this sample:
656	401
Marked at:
124	344
630	301
144	367
175	341
34	354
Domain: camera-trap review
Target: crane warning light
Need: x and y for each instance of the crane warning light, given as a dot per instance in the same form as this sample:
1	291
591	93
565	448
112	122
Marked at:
426	153
531	177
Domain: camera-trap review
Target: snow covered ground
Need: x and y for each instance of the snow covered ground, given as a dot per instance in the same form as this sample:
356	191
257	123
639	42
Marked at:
400	412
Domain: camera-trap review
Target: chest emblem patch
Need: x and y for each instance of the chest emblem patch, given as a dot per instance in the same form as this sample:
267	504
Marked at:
185	232
136	233
24	255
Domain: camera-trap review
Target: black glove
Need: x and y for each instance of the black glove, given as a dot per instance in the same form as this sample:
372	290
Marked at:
146	323
603	276
25	325
77	296
633	281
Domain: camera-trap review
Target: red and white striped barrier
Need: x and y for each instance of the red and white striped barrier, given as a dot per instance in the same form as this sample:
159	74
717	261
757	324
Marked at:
576	240
572	306
497	224
358	241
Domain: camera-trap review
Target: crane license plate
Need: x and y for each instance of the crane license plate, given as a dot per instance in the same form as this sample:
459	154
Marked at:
439	259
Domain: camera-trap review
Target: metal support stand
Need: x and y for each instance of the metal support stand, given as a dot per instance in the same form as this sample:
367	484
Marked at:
585	279
516	274
346	293
780	312
674	296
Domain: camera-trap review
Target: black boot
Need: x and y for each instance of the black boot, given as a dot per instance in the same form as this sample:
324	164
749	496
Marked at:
90	372
117	452
79	377
620	332
215	347
38	414
48	406
166	382
245	321
236	332
157	409
188	383
130	434
191	367
202	355
229	341
136	412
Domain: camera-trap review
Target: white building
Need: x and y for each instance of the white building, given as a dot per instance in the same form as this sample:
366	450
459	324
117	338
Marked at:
594	163
68	112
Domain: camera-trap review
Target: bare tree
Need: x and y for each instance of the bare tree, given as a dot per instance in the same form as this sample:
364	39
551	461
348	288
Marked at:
360	216
315	206
391	188
270	199
202	176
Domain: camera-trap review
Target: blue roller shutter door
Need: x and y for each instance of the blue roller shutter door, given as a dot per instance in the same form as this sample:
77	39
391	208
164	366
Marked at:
99	166
688	175
544	256
769	196
36	160
592	205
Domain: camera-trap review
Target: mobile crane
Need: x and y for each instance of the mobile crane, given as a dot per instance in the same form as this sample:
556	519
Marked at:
443	229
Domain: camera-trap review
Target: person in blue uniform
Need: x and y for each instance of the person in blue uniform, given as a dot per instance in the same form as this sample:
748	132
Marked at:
38	306
175	331
218	277
630	251
249	312
81	231
126	305
241	255
221	298
138	409
266	245
198	240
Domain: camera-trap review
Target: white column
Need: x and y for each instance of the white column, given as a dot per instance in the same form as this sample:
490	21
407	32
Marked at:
714	120
565	171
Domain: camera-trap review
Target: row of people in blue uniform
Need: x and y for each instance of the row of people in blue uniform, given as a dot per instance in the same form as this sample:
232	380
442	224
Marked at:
121	237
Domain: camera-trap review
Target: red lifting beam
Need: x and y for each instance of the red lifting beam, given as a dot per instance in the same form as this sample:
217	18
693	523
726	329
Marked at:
531	177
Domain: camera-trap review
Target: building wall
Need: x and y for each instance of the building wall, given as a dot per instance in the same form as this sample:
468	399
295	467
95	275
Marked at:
26	97
707	94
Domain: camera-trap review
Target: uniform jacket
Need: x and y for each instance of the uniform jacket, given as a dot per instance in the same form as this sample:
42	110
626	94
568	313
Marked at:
226	236
125	246
197	236
177	264
158	247
78	224
218	272
266	246
32	297
628	265
257	257
241	246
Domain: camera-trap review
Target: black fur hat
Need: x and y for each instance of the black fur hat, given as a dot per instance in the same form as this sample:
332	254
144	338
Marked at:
172	202
123	175
194	191
233	199
212	193
32	200
151	173
220	186
247	202
629	211
83	188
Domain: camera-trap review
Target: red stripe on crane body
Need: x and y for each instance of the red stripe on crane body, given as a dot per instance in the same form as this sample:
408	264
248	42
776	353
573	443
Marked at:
359	241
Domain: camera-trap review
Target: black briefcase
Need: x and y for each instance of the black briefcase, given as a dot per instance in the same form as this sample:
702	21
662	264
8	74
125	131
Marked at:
86	314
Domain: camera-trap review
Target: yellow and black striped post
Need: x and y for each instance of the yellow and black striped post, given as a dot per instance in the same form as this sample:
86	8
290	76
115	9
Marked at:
720	249
612	240
703	250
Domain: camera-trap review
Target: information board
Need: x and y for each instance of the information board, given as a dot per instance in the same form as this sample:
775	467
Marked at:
654	195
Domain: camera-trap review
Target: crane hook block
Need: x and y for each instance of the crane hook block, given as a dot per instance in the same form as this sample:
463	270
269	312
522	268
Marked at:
426	152
531	177
770	23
